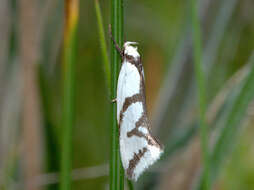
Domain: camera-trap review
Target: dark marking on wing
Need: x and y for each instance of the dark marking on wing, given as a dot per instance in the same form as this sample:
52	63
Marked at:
143	122
134	161
128	101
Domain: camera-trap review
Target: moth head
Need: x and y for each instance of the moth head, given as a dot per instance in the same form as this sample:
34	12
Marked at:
130	49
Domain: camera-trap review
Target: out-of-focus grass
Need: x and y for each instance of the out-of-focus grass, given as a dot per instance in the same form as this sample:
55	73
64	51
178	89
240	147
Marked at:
102	41
238	172
70	37
218	74
201	80
228	135
159	28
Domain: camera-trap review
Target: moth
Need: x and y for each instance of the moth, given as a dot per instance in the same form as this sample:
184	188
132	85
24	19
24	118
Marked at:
138	148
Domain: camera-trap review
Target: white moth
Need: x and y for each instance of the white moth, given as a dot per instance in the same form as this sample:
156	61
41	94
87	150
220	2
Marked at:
138	148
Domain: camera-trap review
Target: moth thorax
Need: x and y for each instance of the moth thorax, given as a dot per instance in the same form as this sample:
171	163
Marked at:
131	50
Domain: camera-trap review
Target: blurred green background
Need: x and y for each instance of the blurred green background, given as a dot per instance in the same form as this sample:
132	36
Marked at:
31	93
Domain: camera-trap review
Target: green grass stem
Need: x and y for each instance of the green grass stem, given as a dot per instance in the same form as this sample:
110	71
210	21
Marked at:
199	75
102	41
116	170
70	35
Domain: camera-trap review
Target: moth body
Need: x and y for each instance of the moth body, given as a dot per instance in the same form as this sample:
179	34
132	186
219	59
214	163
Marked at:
138	148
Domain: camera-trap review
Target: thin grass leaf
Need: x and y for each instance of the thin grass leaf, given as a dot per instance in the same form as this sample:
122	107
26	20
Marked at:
116	169
217	107
222	100
70	37
228	135
102	42
218	29
199	74
175	80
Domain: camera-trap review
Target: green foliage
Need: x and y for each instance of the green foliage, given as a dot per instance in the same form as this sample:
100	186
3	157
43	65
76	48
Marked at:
102	41
199	74
70	38
116	170
228	135
175	80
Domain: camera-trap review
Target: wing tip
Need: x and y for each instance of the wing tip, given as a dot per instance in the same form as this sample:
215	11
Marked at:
150	157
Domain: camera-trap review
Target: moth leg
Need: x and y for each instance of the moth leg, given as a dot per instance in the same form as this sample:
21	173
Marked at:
120	51
114	100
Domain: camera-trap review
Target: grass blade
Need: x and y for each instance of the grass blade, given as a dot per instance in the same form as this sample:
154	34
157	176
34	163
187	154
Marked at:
102	42
70	35
199	74
229	132
116	170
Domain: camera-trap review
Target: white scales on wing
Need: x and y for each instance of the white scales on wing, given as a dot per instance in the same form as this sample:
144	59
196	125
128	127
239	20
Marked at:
138	148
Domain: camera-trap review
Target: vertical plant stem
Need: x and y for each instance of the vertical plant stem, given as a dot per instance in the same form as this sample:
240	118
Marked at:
130	185
70	35
116	170
102	42
121	29
199	74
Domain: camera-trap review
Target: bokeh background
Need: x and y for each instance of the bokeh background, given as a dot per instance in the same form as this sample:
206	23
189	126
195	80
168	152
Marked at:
31	93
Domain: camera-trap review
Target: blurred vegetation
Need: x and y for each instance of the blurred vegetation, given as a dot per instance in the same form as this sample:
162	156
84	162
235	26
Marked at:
31	93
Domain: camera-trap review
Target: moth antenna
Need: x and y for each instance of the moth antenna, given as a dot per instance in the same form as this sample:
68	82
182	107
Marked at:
120	51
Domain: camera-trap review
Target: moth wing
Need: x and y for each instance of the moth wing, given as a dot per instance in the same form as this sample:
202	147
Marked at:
138	152
128	84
